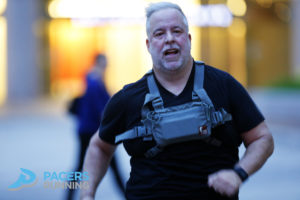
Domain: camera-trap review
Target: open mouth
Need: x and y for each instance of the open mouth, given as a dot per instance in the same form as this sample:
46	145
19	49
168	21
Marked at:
171	52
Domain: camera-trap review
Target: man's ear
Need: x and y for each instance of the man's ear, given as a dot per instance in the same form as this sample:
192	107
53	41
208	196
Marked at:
147	44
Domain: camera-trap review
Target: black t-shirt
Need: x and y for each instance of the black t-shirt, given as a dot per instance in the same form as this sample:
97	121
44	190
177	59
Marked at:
181	170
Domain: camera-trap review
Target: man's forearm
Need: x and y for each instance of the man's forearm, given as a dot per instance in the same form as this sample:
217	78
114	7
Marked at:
95	164
256	154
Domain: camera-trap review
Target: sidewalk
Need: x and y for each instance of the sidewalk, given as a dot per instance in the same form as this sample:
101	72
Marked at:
40	137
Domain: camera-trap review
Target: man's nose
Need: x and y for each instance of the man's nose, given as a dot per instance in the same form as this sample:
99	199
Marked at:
169	37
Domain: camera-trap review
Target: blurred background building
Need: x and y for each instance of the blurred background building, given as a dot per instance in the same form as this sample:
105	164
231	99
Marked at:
47	46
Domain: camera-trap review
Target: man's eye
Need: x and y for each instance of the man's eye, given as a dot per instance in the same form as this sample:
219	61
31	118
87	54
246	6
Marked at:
158	34
177	31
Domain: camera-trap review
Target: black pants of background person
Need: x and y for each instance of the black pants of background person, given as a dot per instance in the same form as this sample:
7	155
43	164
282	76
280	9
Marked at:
84	139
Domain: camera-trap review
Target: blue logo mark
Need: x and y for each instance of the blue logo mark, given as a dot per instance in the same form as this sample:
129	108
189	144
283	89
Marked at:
26	179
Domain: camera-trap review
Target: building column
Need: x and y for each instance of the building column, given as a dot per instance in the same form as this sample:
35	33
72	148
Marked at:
295	39
22	53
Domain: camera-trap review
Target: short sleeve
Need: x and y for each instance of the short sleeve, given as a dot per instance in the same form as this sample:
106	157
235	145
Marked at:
112	122
245	113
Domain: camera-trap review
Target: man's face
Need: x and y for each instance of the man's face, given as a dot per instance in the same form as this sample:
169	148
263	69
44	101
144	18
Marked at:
169	42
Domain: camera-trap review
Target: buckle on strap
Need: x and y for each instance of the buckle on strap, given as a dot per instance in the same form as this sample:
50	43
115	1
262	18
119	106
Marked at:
220	117
141	131
195	96
158	103
217	117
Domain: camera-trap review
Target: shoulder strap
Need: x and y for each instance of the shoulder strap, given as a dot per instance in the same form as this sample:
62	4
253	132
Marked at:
157	101
199	91
199	75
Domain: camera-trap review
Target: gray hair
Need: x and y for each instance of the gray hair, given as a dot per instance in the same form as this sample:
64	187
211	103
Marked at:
153	7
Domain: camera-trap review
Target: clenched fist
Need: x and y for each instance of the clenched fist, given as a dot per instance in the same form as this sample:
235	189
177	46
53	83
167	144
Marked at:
225	182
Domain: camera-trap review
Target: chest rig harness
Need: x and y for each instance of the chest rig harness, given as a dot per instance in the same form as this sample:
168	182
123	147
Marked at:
185	122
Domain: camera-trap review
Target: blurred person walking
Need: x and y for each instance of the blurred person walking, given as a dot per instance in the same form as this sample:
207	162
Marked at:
88	110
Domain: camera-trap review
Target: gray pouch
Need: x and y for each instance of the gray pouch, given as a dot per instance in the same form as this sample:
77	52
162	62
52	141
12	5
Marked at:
181	123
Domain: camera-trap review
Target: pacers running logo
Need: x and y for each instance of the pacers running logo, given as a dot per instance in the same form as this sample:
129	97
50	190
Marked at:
26	179
52	180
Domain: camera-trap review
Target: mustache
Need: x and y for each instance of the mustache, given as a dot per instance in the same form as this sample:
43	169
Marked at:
171	48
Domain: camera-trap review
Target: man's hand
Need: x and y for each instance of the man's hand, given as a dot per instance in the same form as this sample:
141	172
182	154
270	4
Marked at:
225	182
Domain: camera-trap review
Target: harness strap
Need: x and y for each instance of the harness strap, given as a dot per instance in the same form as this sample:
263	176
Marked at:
145	109
157	102
138	131
199	75
198	84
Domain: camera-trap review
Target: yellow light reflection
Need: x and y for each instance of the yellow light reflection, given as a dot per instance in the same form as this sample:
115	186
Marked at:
215	47
237	7
3	53
3	4
196	42
71	50
237	50
96	9
127	55
105	8
238	28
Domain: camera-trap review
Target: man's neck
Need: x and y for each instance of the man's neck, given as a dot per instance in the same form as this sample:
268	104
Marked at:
175	81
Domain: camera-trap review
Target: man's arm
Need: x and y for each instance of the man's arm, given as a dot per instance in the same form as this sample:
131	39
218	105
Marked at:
259	146
96	162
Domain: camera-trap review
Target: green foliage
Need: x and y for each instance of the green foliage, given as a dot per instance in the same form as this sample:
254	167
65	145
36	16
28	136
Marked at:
287	83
